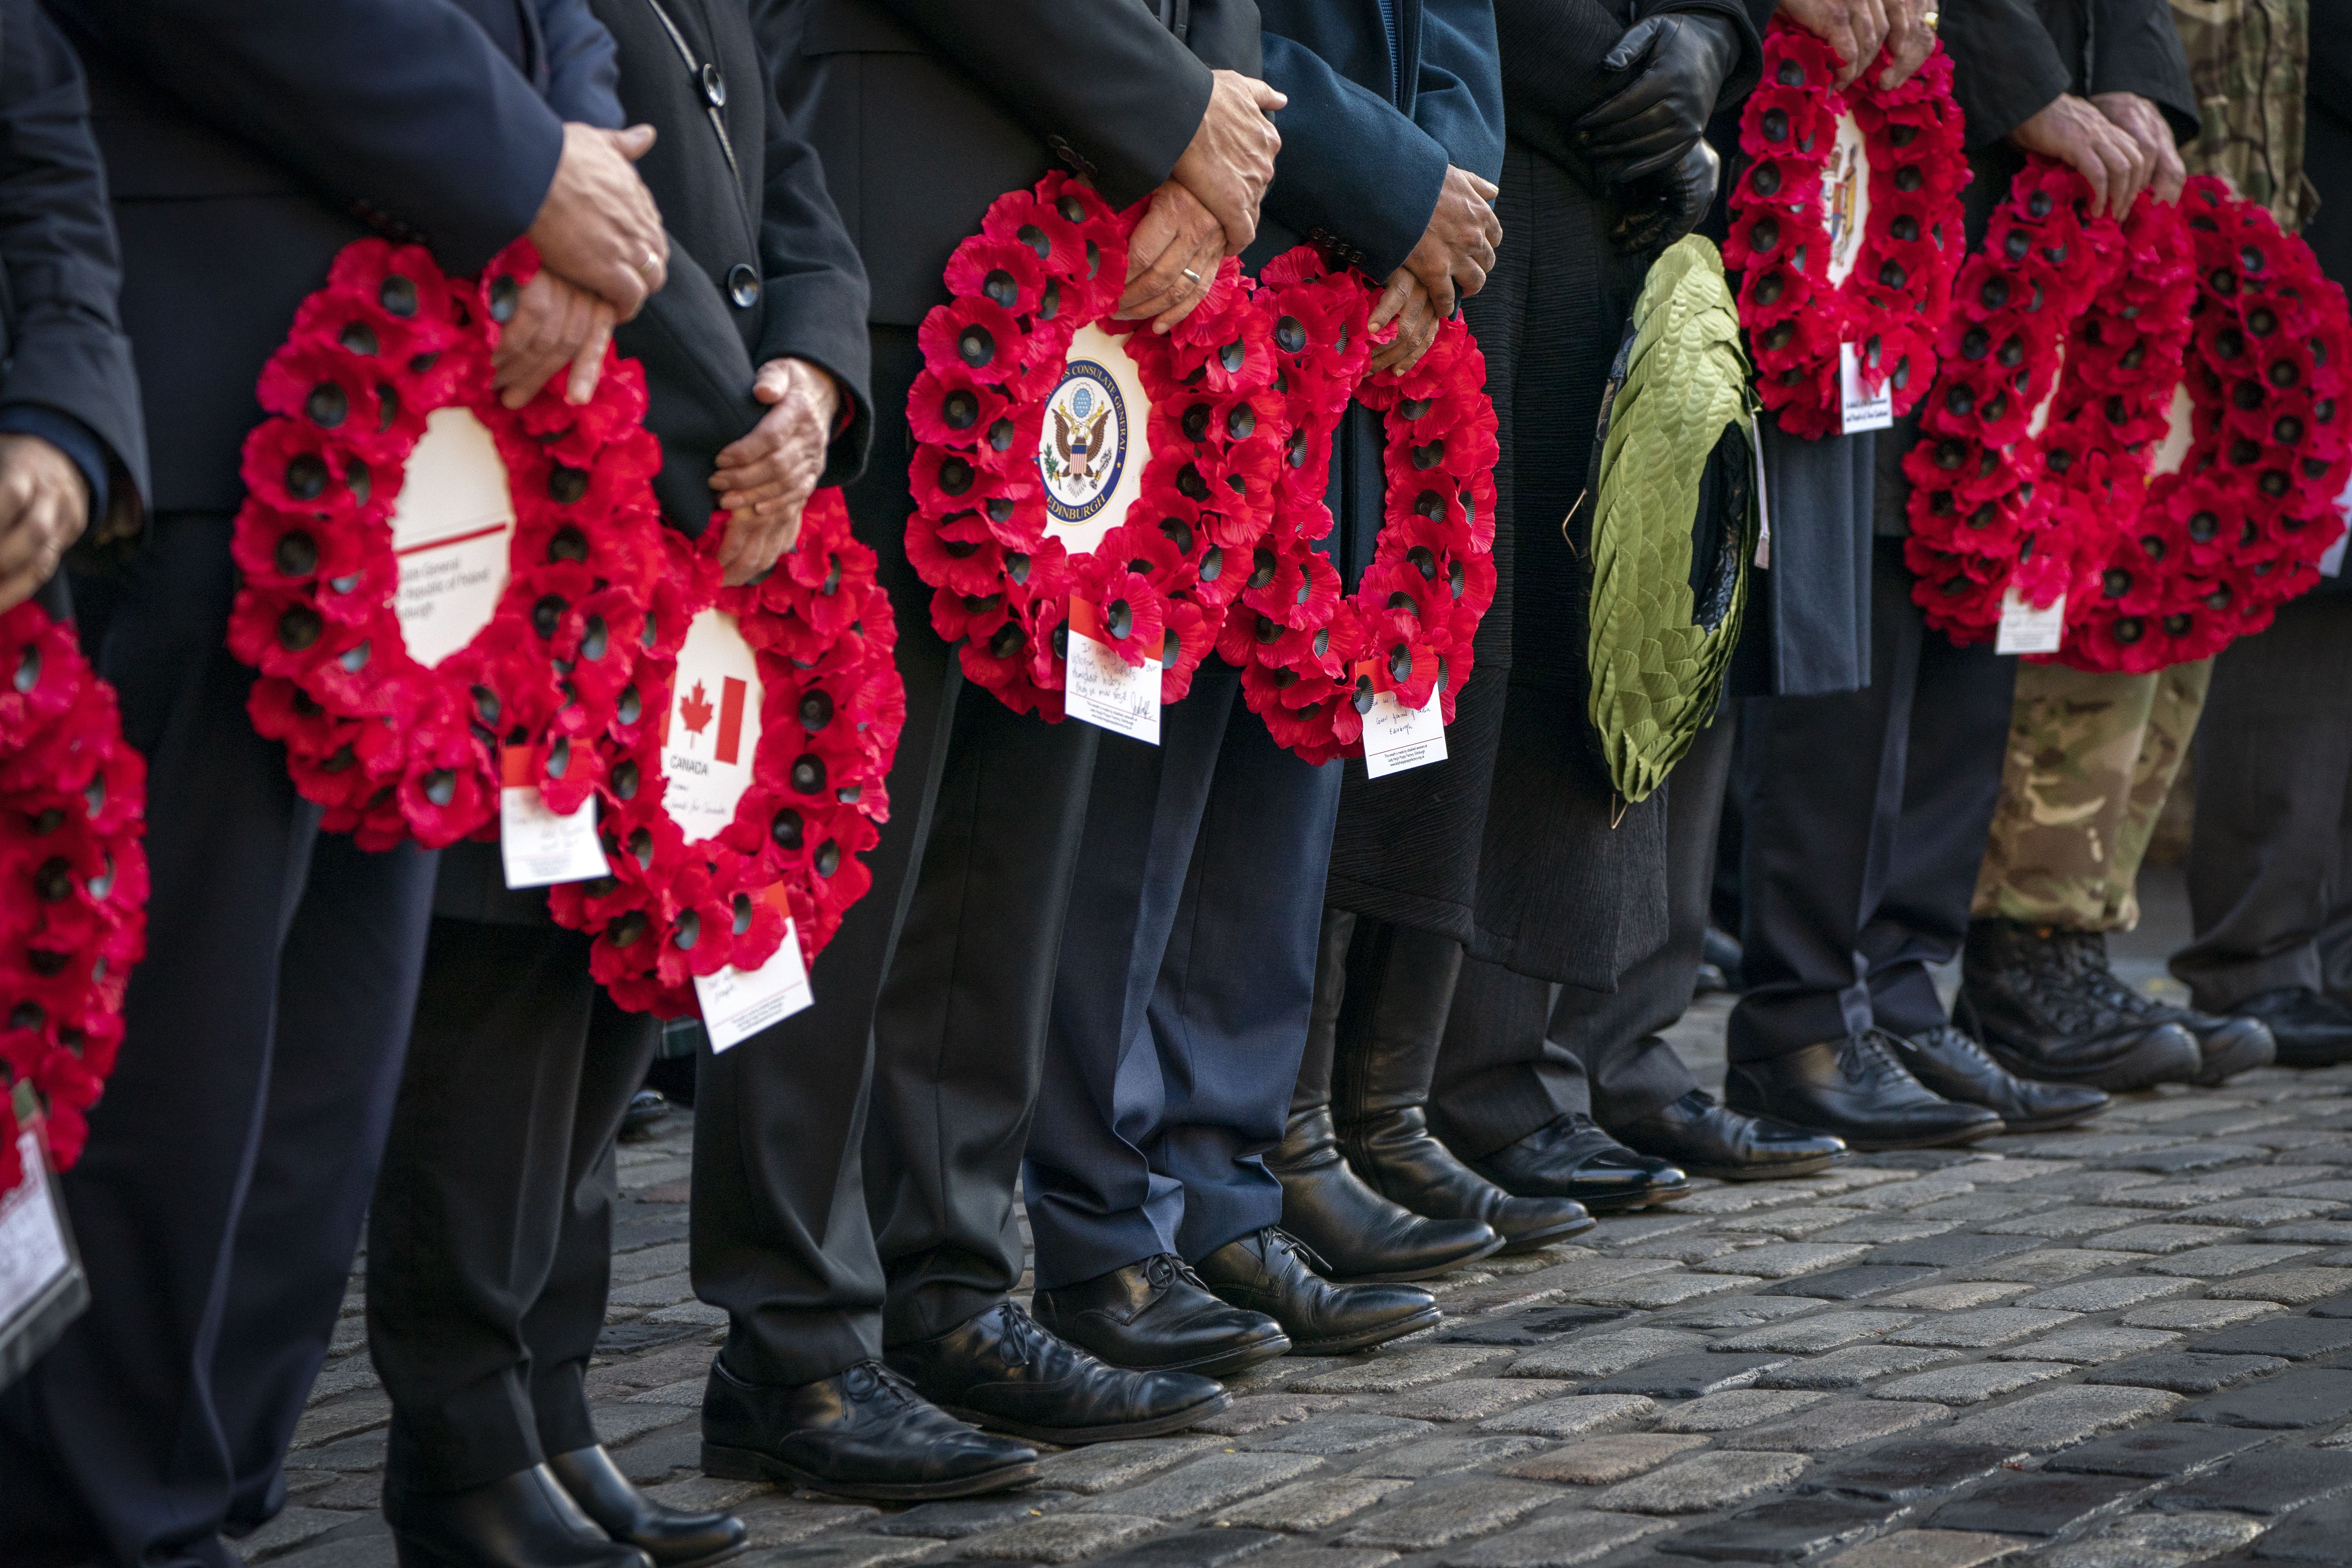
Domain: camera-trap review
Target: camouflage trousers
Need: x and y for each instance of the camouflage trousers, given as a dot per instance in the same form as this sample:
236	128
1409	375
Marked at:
2091	758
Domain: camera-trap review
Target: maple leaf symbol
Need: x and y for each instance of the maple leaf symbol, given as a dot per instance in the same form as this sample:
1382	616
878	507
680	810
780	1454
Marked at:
695	709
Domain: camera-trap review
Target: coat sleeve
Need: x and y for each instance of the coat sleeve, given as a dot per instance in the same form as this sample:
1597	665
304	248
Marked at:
1104	85
402	112
1552	74
2005	70
2135	47
583	64
814	288
68	356
1459	97
1352	167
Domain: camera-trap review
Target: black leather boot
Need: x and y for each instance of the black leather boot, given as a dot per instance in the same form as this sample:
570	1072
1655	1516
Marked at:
1385	1059
1856	1089
1364	1235
524	1521
1002	1371
2311	1030
2226	1047
1157	1315
1571	1157
1707	1137
862	1432
1954	1066
1270	1272
2025	996
671	1537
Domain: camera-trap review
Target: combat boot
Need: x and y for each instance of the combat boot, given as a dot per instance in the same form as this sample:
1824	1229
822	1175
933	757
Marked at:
2031	998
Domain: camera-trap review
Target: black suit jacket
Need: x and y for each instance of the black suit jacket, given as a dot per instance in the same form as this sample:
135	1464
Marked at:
926	111
247	140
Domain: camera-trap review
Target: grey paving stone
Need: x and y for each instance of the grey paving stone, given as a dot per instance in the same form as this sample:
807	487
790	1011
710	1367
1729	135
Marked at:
1599	1461
2061	1225
2160	1453
1826	1332
2291	1286
1310	1507
1352	1433
1954	1295
1272	1376
1443	1455
2304	1396
1598	1355
1787	1259
1192	1548
1469	1399
1953	1251
1930	1549
1654	1290
2295	1338
1259	1412
1908	1471
2318	1534
2091	1346
1582	1272
1533	1326
1872	1229
1688	1376
2224	1262
1397	1371
1850	1284
2161	1238
2270	1481
1786	1528
2105	1295
1105	1465
2198	1156
1056	1538
2266	1209
2197	1314
1854	1366
1704	1482
953	1521
1691	1246
1980	1329
2185	1371
1430	1515
2319	1232
2050	1265
2333	1307
1734	1408
1573	1416
2155	1541
1211	1481
1847	1423
1971	1384
1560	1542
2036	1504
1793	1224
2058	1417
1736	1313
848	1552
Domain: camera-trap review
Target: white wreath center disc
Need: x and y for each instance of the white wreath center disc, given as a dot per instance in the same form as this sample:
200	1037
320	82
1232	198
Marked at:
1845	198
712	728
450	532
1096	443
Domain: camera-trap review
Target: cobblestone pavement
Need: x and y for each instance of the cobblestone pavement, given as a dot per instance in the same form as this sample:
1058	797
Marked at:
2127	1346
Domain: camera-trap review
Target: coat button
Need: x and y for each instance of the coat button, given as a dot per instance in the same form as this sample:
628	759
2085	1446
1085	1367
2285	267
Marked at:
742	286
714	87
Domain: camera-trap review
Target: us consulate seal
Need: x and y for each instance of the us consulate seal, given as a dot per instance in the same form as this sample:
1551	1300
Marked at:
1086	449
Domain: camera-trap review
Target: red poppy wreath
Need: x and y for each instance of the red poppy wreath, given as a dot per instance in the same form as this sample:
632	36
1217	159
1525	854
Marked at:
756	763
430	576
1312	657
1062	453
72	808
2248	463
1845	227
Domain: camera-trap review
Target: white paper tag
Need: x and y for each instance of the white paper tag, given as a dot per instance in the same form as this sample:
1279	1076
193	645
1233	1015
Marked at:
1763	497
2024	629
32	1243
738	1003
1103	689
539	848
1861	408
1397	737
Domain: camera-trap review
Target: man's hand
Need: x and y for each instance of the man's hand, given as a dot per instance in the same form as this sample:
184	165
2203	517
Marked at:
44	506
1676	63
1910	41
1854	28
2069	130
766	477
1231	160
598	226
1405	301
2141	121
1172	258
554	321
1457	250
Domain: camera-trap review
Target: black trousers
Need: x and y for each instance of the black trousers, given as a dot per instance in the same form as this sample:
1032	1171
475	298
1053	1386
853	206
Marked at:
1181	1002
490	1237
1519	1053
854	1165
220	1198
2270	854
1864	817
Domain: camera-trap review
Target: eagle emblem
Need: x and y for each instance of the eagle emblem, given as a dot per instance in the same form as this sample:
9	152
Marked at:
1079	441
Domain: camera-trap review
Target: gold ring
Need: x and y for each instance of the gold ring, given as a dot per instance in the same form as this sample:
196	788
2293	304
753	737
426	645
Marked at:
1193	276
1931	18
649	264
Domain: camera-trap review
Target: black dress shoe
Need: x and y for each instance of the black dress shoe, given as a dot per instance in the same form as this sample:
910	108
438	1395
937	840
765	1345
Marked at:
2311	1030
1954	1066
1363	1234
1707	1138
2042	1002
671	1537
1721	953
1004	1371
525	1520
647	1107
1268	1271
1158	1316
1571	1157
862	1432
1856	1089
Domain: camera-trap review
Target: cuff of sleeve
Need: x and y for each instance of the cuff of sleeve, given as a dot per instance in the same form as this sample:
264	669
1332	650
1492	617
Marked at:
68	435
507	215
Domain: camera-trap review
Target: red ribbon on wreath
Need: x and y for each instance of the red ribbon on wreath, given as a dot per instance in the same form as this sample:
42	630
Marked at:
393	720
765	772
992	522
1297	640
73	801
1904	247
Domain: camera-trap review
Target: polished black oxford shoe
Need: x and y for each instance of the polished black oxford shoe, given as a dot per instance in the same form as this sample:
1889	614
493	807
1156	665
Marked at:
1157	1315
1002	1371
1363	1233
523	1520
1571	1157
1856	1089
2310	1030
1947	1062
671	1537
1707	1137
862	1432
1270	1272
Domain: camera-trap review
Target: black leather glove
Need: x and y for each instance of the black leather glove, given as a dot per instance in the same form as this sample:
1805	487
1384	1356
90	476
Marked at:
1677	62
1658	209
